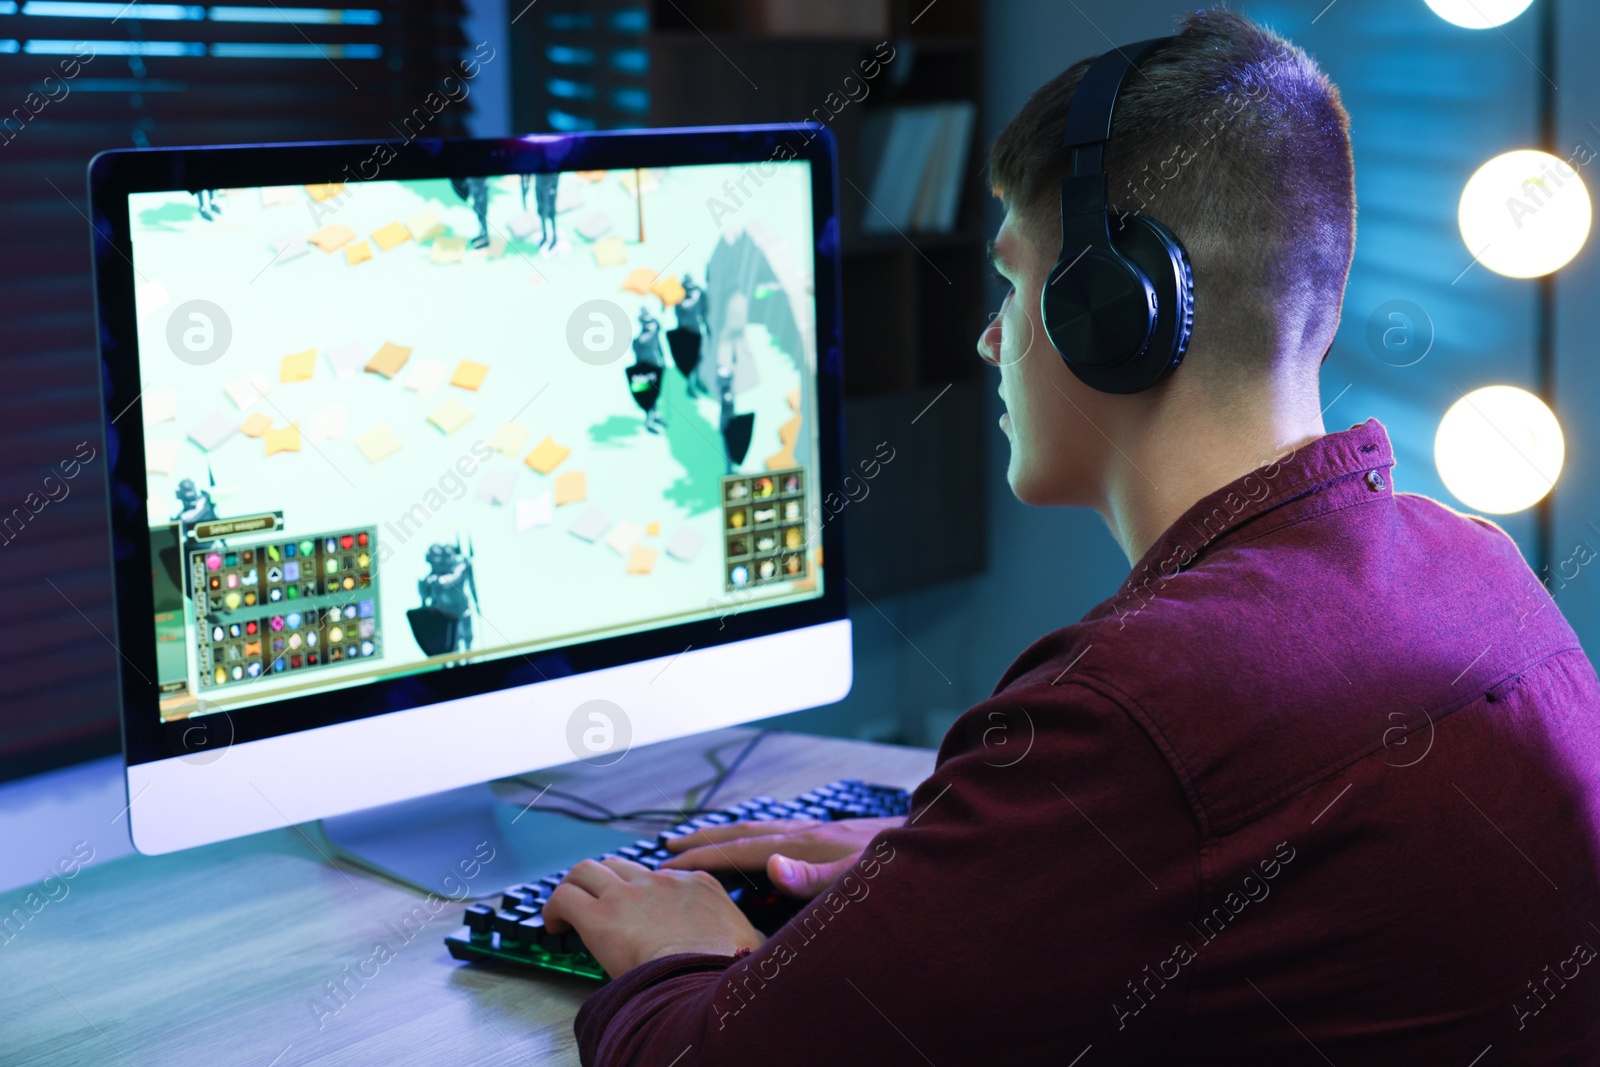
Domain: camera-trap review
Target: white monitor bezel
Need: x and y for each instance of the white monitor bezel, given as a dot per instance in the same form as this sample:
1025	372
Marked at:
228	791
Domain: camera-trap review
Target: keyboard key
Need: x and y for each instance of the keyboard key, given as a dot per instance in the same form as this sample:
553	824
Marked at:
531	931
479	919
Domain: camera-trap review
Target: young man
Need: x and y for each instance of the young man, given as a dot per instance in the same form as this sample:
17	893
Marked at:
1319	784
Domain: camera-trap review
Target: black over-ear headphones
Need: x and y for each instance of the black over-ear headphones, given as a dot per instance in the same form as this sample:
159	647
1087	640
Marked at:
1119	306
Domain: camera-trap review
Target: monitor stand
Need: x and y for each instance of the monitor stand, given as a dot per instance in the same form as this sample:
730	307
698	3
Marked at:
466	837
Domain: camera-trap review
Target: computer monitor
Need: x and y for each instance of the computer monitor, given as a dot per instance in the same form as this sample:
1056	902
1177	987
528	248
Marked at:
439	462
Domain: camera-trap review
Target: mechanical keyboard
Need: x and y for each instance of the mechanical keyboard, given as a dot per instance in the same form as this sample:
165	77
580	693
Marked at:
515	932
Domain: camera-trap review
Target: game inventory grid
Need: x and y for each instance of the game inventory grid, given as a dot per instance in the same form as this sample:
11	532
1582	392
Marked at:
285	606
763	519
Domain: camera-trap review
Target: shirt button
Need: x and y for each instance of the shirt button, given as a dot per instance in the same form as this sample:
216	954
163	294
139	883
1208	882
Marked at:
1375	481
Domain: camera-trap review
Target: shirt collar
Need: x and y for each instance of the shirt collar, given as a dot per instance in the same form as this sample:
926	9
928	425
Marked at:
1353	462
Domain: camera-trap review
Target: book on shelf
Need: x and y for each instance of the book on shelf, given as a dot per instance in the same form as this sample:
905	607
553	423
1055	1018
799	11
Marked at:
918	165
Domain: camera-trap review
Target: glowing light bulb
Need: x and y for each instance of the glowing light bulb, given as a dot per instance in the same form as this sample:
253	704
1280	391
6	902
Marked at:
1499	449
1479	14
1525	214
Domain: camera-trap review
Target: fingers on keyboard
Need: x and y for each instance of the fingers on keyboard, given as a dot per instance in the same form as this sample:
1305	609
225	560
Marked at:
745	853
721	841
739	830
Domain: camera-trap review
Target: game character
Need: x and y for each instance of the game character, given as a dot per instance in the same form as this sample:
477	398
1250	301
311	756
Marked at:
647	345
545	187
208	203
449	595
644	383
687	339
645	376
475	191
194	504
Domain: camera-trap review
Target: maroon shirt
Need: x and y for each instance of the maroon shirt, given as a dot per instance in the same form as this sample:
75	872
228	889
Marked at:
1320	784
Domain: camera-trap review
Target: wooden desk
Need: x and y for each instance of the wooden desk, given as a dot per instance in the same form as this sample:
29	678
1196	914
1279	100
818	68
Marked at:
220	955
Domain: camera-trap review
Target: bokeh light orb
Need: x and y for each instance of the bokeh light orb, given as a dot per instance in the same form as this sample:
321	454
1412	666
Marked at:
1525	214
1479	14
1499	449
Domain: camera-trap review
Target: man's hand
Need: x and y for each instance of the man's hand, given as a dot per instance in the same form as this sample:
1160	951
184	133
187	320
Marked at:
628	914
800	856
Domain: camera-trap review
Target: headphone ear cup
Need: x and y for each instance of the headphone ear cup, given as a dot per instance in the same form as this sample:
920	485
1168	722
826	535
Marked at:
1157	251
1098	310
1150	251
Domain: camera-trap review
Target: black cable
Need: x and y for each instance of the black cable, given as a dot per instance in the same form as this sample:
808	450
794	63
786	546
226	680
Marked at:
606	814
712	785
704	803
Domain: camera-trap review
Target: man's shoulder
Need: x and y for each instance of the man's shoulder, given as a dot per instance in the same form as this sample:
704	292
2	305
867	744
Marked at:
1281	652
1241	587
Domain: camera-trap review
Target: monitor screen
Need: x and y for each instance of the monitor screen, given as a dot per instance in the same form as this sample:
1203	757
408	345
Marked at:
400	427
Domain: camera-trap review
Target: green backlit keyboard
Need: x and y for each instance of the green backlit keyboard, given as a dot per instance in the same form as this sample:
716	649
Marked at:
515	932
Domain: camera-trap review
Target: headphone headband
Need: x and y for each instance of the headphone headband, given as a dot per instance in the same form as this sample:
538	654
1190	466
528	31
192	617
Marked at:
1085	200
1118	307
1096	98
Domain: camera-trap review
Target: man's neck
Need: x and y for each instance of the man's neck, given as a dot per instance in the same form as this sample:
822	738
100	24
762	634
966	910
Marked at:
1187	449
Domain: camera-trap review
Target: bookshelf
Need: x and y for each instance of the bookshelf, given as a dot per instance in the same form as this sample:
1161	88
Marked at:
914	301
